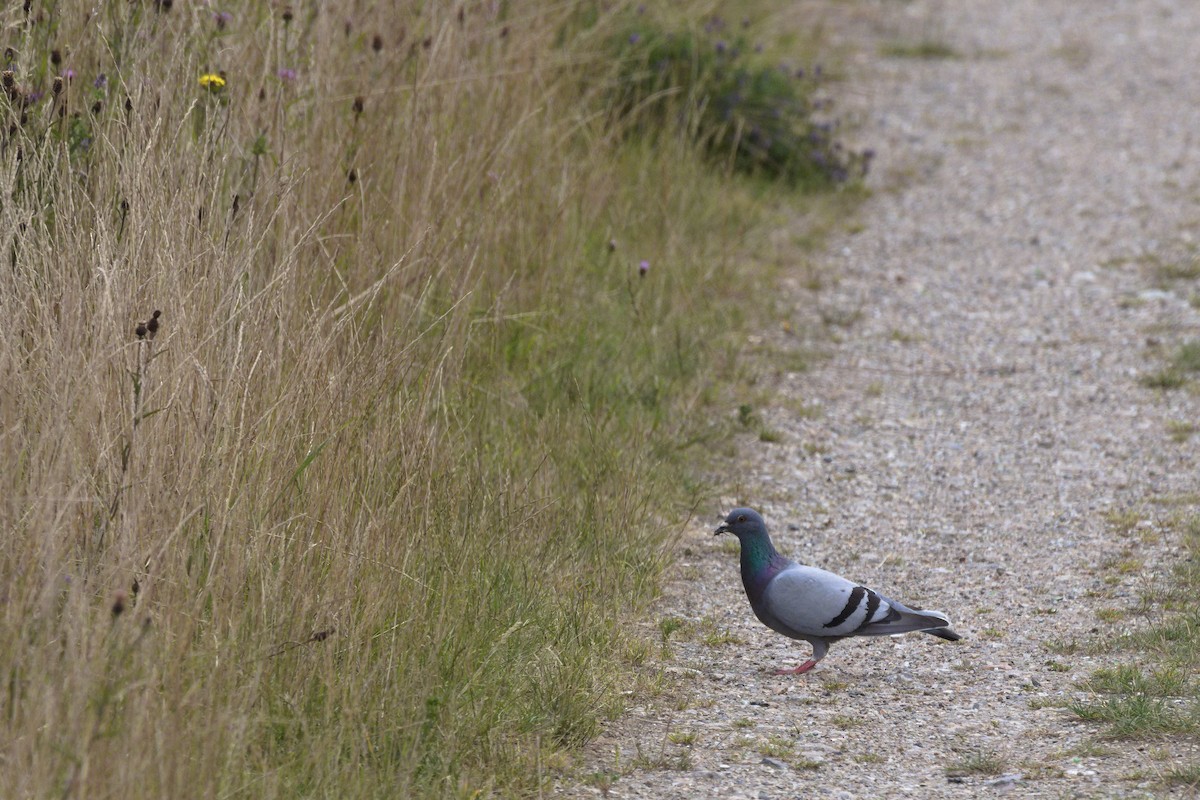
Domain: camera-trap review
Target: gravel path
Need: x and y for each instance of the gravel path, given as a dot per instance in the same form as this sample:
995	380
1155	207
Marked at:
976	425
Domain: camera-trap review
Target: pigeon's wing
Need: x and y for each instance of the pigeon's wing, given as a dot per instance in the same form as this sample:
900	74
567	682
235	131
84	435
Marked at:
815	602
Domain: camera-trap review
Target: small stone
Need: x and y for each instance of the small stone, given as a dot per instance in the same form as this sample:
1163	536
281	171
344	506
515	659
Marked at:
774	763
1006	782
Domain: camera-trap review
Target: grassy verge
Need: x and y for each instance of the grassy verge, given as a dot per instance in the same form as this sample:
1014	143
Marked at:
1155	697
353	364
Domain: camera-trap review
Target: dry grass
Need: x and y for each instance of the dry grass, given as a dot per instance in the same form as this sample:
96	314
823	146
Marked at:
374	496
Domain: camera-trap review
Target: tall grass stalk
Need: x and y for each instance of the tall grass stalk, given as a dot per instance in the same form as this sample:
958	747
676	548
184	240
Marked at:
376	494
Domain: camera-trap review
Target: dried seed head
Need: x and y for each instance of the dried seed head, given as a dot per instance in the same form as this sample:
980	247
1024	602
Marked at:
163	5
58	84
96	106
128	105
358	104
8	79
55	57
352	175
120	598
287	14
377	43
156	314
152	327
140	331
427	42
9	55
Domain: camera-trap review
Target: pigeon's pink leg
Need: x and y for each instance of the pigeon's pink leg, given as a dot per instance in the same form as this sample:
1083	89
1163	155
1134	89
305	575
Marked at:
805	667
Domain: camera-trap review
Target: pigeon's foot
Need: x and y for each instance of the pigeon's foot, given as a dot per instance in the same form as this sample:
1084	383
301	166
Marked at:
805	667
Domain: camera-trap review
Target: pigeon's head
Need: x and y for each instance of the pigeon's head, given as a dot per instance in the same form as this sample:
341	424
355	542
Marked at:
743	522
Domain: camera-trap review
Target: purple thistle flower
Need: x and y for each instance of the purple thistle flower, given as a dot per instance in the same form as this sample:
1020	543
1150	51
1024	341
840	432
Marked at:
643	267
286	74
634	38
101	81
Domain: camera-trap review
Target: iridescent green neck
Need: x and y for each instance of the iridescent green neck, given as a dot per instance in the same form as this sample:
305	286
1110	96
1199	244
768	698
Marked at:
757	552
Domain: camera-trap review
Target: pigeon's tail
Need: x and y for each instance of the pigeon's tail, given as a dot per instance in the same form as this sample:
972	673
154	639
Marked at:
943	633
902	619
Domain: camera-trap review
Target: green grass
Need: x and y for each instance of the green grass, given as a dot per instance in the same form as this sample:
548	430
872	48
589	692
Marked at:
757	115
1129	679
684	738
1187	357
1185	775
1134	715
1166	378
1182	366
410	443
1181	430
976	763
1186	269
925	49
1154	696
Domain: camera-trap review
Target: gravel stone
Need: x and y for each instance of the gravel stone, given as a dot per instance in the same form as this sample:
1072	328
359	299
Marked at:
977	416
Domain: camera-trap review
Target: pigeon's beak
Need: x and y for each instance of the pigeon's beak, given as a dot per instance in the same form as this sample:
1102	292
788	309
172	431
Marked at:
722	528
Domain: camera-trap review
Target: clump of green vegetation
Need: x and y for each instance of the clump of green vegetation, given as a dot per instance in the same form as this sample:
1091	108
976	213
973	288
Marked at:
1184	269
1166	378
1156	697
1184	364
1134	715
976	763
684	738
1181	430
1128	679
1187	357
926	49
712	86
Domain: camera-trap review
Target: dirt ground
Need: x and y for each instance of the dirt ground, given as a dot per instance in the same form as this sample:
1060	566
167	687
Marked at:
976	431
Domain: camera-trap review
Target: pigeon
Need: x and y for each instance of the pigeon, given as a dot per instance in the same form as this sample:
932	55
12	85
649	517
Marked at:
808	603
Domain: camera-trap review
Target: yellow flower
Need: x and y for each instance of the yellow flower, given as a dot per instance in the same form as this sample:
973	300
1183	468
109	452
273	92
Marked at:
212	81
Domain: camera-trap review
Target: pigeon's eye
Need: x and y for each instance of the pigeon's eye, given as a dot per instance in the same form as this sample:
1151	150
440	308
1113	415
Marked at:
741	518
